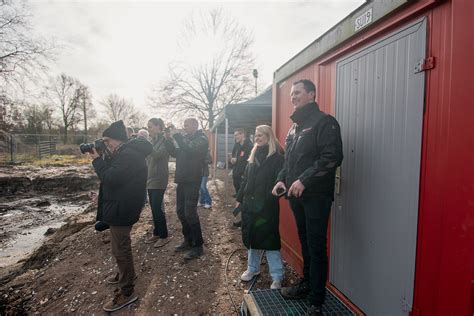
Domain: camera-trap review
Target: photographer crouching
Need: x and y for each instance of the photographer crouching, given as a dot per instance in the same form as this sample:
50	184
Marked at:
122	171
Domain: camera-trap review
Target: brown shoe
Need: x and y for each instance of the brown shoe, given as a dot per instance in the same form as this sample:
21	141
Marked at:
113	279
119	301
152	239
161	242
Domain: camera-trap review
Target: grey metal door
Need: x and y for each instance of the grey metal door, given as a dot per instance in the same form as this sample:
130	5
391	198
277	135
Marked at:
379	105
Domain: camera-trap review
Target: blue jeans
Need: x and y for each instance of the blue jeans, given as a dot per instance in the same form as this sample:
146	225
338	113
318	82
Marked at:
204	197
275	264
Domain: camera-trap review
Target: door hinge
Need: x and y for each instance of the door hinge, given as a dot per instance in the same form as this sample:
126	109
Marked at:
424	64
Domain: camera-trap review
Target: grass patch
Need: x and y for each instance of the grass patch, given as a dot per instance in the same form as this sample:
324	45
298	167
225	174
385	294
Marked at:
63	160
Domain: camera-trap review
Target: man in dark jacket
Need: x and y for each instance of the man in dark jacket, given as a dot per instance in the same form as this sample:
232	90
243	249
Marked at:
157	163
240	155
123	176
313	153
190	152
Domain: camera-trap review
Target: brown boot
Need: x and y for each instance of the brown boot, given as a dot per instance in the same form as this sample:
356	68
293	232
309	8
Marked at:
119	301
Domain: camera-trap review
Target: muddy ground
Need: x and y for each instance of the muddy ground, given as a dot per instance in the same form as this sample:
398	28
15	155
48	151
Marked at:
66	273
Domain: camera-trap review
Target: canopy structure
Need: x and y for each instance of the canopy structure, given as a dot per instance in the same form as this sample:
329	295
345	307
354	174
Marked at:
246	115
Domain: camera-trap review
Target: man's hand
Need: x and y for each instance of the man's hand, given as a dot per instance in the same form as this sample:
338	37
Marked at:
237	204
94	154
279	185
233	160
296	189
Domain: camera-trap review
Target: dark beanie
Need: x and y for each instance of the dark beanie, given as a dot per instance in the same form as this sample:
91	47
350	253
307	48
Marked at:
117	131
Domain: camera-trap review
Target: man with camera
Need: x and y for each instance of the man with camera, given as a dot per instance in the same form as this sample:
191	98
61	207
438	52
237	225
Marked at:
190	152
313	153
122	171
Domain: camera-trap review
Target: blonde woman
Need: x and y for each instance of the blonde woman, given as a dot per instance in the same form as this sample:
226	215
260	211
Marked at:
260	209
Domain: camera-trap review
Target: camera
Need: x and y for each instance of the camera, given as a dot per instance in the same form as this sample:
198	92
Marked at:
98	144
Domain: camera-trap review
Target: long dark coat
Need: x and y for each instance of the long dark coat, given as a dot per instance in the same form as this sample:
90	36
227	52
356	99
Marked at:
260	209
123	183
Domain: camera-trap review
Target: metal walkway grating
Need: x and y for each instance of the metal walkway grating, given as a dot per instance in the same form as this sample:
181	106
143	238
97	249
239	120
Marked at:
270	302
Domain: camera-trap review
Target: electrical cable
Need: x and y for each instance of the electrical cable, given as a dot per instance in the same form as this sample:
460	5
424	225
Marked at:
254	280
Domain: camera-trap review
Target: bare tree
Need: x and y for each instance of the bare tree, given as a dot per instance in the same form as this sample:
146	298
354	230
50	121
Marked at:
85	107
63	94
23	57
118	108
137	119
48	115
34	118
216	72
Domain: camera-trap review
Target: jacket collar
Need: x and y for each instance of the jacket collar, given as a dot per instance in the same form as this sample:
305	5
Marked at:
302	114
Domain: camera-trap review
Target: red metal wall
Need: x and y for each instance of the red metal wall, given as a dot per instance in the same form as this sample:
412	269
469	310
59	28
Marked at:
445	247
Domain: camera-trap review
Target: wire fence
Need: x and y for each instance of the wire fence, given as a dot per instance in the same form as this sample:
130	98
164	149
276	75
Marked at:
30	147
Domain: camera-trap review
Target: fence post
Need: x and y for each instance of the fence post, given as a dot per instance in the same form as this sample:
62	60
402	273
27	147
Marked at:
11	148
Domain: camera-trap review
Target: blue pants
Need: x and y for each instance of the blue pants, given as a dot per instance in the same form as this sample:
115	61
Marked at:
204	197
312	214
275	264
157	210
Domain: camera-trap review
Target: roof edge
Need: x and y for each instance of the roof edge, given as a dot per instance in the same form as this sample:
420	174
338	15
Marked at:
336	35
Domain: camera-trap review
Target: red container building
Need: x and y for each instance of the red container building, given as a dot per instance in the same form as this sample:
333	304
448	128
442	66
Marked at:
398	77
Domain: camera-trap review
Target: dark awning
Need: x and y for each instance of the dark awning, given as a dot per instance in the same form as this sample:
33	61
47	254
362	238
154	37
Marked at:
246	115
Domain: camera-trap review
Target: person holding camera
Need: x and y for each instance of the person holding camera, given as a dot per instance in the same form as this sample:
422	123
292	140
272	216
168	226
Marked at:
123	176
190	152
157	182
313	153
260	209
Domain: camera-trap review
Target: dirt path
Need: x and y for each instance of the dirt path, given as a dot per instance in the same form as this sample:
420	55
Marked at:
67	274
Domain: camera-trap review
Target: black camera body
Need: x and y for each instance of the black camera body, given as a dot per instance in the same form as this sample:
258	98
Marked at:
98	144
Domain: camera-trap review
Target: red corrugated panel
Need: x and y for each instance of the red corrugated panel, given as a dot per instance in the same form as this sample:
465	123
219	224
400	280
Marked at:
445	249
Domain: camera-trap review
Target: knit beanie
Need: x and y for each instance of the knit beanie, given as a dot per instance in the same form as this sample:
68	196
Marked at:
117	131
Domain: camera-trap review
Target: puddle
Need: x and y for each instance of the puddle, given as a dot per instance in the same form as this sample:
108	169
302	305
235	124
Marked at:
23	226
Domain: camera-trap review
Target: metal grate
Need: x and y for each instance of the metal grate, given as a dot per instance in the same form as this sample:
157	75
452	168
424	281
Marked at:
270	302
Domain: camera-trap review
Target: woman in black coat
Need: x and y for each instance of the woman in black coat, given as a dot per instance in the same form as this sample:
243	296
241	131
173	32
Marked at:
260	209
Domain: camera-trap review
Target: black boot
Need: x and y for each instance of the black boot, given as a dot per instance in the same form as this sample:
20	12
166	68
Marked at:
185	245
296	292
193	253
196	234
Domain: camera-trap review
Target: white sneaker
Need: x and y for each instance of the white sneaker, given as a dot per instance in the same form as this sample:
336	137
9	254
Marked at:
247	275
207	206
199	204
275	285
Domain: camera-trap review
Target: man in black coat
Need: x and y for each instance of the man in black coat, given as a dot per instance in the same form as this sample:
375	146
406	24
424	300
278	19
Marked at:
123	177
240	155
313	153
190	153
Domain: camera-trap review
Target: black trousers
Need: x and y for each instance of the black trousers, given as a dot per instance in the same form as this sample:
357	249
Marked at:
312	214
187	196
237	182
157	210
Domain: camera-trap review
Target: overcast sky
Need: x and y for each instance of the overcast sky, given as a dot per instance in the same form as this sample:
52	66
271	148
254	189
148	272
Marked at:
124	47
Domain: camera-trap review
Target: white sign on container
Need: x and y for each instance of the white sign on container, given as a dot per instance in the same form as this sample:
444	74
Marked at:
363	20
